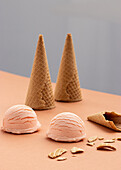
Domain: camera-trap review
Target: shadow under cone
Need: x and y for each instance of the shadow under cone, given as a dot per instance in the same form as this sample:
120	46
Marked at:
67	85
40	94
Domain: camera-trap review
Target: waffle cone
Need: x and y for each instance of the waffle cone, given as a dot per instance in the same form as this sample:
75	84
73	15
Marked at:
67	85
109	119
40	94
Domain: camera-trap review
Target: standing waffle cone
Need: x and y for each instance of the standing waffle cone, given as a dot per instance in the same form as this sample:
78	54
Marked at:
67	85
40	94
109	119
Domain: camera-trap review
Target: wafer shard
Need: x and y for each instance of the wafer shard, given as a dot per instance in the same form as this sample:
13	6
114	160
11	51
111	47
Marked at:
57	152
76	150
109	141
40	94
106	146
100	138
90	143
119	138
114	139
67	85
61	158
92	139
109	119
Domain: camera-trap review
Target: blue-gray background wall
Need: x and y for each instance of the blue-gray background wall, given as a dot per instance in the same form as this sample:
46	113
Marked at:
95	27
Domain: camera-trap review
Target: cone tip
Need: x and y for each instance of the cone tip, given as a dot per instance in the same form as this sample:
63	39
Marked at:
40	35
69	35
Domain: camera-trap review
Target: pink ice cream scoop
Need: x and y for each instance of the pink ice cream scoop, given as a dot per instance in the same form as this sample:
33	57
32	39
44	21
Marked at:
66	127
20	119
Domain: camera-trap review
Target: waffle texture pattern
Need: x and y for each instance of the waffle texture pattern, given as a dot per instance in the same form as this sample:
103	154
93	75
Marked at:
67	85
40	93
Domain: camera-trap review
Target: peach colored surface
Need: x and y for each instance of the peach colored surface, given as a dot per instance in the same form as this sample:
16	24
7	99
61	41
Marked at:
30	151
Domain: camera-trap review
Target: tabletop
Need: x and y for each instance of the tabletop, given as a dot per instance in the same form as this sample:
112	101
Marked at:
30	151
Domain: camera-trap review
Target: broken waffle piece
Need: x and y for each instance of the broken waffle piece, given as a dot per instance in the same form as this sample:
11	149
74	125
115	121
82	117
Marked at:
119	138
76	150
90	143
100	138
109	141
106	146
61	158
92	139
109	119
57	152
114	139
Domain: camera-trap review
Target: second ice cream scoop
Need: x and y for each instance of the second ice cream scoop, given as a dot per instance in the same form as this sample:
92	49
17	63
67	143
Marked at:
66	127
20	119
